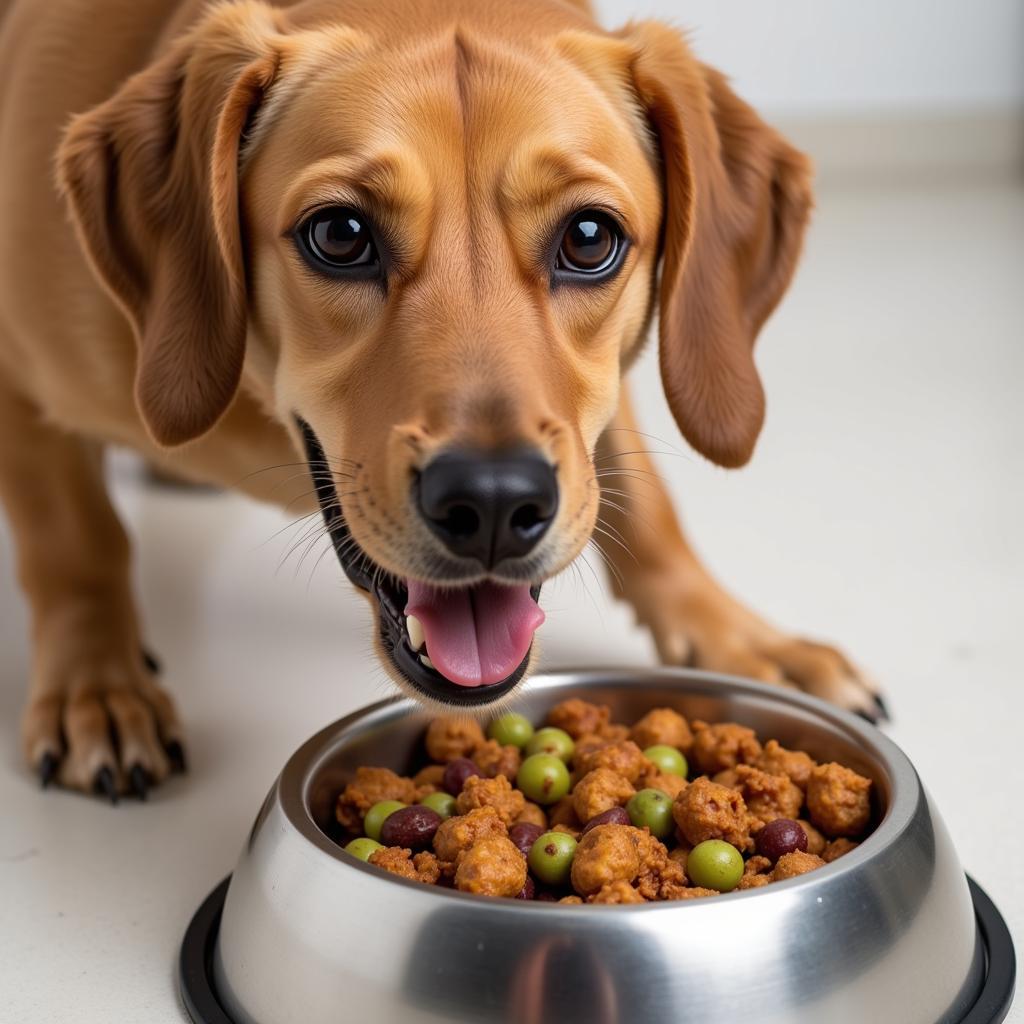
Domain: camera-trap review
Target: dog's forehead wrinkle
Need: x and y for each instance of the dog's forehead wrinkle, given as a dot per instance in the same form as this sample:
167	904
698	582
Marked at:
463	70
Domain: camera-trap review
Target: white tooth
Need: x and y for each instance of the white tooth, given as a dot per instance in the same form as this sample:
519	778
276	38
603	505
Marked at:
415	630
426	661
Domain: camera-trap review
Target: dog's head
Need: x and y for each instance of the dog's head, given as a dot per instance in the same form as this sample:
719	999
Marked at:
430	237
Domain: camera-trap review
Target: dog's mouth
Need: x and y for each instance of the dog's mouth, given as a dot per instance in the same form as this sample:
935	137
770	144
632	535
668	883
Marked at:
465	645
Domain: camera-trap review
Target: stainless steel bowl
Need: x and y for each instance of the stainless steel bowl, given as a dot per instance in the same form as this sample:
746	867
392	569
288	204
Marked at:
888	933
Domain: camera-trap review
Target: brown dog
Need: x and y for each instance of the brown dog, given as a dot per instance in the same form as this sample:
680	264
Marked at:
416	244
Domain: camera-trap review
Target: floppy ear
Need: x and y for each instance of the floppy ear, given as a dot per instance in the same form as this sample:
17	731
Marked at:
737	200
151	177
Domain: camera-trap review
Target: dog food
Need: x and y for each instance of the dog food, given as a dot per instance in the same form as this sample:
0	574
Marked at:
586	810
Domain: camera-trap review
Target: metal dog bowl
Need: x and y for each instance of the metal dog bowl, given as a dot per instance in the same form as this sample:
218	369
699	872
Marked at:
892	932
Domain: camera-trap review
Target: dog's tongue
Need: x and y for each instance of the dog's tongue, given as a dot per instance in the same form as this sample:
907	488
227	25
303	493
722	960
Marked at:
475	635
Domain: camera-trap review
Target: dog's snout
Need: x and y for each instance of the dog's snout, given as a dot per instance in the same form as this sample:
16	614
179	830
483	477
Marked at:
488	507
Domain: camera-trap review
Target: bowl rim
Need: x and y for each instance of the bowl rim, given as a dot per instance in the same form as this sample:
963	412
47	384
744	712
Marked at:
293	785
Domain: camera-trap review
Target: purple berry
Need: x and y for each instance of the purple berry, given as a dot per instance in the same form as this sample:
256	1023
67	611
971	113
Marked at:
524	835
411	827
528	891
781	836
616	816
455	774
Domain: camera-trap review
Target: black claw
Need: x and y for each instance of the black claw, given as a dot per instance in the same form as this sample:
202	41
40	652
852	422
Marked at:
47	768
150	661
868	716
104	784
138	779
176	754
883	709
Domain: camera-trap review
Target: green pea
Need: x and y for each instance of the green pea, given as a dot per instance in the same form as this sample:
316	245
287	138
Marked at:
653	809
375	816
550	857
550	740
442	803
543	778
715	864
667	759
363	848
511	730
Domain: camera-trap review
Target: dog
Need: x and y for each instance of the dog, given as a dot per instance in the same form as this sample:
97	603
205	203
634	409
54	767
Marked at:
405	251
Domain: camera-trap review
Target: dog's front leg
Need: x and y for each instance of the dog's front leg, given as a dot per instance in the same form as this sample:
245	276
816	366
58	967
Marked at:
693	620
95	719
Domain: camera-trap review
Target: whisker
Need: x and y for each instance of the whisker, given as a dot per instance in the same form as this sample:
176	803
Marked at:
608	526
656	480
316	565
630	514
608	563
600	529
593	572
650	437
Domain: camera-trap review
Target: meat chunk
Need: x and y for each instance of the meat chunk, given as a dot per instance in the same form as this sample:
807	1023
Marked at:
569	830
598	791
618	892
789	865
458	834
838	800
680	854
606	854
795	764
563	812
494	759
757	866
532	814
727	777
423	867
660	875
491	867
497	793
705	810
693	892
838	848
662	726
716	747
370	786
625	758
670	785
753	881
579	717
815	840
453	736
768	796
429	779
585	746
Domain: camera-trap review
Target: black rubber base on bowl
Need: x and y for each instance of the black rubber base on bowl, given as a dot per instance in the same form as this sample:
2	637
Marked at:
195	965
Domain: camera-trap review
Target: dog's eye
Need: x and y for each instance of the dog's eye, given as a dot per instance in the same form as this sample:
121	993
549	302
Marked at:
339	238
591	244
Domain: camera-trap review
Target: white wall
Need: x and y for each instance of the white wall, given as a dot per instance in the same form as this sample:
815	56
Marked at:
811	56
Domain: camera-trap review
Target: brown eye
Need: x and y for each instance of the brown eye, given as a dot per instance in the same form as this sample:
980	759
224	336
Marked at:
591	244
338	238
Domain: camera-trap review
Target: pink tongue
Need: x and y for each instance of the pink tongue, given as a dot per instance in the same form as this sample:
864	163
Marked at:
475	635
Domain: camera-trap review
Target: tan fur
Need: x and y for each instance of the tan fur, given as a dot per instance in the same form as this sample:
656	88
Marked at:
158	154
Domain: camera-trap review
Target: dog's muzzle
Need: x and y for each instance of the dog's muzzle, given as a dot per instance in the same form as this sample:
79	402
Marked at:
495	620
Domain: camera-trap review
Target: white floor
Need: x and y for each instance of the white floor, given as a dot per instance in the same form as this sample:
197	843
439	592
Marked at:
885	509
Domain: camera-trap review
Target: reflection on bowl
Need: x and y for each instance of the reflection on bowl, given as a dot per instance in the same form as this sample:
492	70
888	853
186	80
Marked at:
887	933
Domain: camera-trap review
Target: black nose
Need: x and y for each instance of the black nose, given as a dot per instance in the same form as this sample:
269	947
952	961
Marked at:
489	507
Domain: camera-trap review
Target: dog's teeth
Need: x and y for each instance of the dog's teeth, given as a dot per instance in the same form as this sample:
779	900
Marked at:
414	628
426	661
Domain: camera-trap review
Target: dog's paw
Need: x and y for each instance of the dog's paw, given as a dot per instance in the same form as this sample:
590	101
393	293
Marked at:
106	729
702	627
